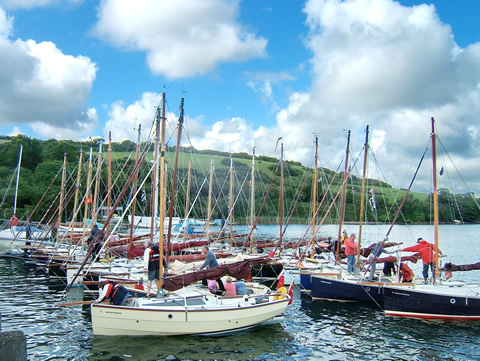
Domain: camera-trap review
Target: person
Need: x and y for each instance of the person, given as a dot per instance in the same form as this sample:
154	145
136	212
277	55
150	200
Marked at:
426	251
13	223
14	220
406	273
95	240
230	288
351	252
373	256
389	268
151	264
241	288
212	287
117	294
210	262
210	258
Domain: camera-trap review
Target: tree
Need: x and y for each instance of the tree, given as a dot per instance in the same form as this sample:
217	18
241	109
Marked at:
31	153
54	150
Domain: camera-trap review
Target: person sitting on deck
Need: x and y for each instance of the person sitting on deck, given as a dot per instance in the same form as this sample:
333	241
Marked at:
212	287
230	288
241	288
111	290
210	262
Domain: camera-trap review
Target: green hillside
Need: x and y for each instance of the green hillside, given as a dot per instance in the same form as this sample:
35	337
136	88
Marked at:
41	175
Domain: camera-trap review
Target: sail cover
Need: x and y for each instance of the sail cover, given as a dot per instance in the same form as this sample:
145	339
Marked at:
238	270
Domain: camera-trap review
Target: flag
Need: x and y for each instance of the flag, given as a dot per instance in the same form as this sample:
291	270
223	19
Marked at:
250	183
441	171
448	275
290	291
143	197
88	200
281	279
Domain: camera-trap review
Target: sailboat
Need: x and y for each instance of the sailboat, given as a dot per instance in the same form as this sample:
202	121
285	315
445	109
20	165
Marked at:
192	309
18	232
357	287
447	300
189	308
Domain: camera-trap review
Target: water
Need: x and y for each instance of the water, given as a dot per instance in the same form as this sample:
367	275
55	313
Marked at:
310	330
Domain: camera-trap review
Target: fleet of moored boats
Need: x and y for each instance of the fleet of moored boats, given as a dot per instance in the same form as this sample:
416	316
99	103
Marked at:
184	305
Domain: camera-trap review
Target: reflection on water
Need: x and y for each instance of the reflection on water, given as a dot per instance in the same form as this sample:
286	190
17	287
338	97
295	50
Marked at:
311	330
243	346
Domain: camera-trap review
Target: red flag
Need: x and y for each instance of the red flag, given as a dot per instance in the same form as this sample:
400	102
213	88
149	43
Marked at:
448	275
88	200
281	280
290	292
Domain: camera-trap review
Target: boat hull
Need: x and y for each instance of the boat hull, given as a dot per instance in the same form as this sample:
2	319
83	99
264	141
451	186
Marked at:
344	290
109	320
433	302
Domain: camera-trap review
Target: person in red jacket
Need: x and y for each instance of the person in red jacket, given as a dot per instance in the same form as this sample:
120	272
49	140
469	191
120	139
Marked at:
426	251
351	252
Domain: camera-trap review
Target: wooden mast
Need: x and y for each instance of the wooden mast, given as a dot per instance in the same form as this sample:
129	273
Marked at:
174	180
362	198
209	207
135	178
88	198
435	198
62	189
77	189
187	199
109	193
154	176
97	183
342	201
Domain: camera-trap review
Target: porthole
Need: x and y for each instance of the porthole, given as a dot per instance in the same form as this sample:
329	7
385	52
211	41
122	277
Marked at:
452	301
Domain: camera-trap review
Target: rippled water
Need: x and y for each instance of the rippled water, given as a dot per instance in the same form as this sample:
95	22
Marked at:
310	330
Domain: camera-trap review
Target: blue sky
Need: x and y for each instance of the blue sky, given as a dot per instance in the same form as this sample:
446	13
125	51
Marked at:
251	71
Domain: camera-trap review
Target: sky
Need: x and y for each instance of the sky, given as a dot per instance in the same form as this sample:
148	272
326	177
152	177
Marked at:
250	72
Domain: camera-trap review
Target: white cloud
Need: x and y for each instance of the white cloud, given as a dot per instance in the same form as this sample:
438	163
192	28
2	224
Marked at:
44	88
182	38
377	62
6	24
124	120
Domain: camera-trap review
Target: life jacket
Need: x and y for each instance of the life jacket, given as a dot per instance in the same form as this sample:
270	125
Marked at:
153	258
154	254
117	293
13	221
406	272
